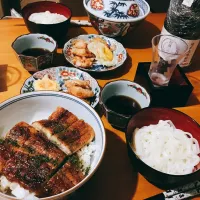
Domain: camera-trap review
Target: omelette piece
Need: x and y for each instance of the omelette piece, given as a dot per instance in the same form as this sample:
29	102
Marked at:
67	177
102	52
46	84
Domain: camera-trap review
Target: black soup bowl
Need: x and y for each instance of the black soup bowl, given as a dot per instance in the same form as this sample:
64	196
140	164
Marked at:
148	116
59	30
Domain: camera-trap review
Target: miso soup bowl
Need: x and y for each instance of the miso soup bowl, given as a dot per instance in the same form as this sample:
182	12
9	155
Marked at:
29	41
125	88
148	116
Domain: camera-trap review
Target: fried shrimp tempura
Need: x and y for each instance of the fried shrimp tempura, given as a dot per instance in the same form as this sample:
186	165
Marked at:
79	88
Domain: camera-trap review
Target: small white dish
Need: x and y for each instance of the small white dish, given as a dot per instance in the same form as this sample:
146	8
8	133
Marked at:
119	53
35	106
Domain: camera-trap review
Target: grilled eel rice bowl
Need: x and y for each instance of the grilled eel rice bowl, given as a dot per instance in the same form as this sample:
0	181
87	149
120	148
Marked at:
51	144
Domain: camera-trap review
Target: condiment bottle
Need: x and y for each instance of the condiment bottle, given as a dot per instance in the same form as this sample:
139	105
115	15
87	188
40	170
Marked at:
183	20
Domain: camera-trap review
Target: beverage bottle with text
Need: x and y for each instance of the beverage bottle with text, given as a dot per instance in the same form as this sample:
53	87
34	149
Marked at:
183	20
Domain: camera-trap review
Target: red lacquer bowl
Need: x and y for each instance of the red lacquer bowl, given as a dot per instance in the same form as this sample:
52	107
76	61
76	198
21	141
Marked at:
181	121
57	31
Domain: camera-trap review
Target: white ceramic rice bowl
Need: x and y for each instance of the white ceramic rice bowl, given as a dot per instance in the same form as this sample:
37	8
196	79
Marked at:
34	106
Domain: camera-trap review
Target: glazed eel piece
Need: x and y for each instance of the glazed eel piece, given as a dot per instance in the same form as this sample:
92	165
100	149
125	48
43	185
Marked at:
38	167
5	154
25	138
67	177
65	130
29	171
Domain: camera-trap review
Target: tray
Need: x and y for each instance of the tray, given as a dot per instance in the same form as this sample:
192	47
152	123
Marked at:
176	94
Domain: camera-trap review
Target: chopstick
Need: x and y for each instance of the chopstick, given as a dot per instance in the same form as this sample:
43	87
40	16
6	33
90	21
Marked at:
183	192
80	23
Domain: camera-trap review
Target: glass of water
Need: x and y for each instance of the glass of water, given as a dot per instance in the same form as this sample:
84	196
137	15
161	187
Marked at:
168	50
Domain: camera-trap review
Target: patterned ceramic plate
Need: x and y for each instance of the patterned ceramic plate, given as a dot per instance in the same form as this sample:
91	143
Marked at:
119	53
61	74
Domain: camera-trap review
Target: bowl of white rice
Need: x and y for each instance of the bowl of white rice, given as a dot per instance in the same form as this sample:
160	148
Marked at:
47	17
163	144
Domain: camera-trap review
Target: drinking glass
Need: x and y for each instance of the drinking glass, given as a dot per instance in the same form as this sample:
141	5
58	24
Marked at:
167	51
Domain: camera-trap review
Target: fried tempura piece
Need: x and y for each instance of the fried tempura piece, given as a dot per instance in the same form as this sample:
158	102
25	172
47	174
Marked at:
80	44
80	92
79	88
81	52
81	83
83	62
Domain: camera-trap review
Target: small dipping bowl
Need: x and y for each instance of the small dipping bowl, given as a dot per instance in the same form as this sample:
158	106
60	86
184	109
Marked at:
148	116
32	41
123	88
58	30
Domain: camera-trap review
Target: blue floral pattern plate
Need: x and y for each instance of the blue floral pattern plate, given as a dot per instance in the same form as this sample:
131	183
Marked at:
119	53
61	74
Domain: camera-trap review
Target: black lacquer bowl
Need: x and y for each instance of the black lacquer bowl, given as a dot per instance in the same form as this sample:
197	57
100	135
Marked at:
181	121
59	30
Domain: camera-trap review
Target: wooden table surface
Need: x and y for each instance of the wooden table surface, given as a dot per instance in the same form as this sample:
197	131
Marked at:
115	178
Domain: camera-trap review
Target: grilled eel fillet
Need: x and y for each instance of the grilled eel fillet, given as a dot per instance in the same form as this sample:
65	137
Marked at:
24	138
65	130
30	159
67	177
29	171
5	154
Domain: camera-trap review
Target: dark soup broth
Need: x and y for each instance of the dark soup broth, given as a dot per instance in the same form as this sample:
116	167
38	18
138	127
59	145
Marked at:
35	52
123	105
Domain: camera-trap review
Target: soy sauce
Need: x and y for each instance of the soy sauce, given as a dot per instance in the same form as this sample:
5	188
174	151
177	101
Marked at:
35	52
123	105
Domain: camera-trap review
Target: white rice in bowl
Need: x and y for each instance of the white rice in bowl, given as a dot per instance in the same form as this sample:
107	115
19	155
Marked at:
47	18
86	155
16	189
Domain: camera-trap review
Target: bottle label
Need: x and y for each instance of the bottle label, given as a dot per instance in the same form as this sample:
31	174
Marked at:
192	45
188	3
